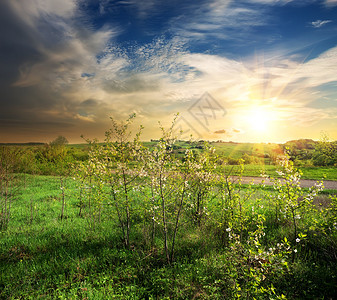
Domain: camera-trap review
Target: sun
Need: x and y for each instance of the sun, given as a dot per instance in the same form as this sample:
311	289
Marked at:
259	119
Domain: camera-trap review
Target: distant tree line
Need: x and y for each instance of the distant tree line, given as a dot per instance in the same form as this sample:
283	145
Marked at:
309	152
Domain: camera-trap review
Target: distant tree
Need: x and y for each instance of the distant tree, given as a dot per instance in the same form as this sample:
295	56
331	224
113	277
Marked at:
59	141
325	153
53	156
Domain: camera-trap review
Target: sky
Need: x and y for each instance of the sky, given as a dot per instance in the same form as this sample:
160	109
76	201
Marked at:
234	70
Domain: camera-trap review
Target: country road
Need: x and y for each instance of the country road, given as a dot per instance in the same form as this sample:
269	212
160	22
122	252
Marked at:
306	183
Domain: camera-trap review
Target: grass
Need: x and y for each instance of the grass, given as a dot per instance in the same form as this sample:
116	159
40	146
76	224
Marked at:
44	256
317	173
314	173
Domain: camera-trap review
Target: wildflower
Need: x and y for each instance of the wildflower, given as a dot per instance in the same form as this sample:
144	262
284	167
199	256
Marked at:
228	229
280	173
295	250
298	240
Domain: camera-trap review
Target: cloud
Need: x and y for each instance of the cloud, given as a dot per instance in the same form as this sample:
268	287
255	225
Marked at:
61	65
229	20
331	2
218	19
229	133
61	47
222	131
289	87
284	86
31	10
69	76
319	23
44	52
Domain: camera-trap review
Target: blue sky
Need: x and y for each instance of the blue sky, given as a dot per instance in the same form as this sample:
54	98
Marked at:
245	70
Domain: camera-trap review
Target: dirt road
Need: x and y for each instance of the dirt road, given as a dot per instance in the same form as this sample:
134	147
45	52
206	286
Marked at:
306	183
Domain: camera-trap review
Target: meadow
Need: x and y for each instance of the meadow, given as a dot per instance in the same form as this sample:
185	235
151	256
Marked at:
133	221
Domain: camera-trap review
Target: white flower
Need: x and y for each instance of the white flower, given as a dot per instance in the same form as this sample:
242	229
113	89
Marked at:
228	229
298	240
297	217
295	250
280	173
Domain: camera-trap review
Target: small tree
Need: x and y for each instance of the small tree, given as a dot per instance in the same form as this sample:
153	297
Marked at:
202	168
159	167
59	141
123	162
292	202
112	172
170	185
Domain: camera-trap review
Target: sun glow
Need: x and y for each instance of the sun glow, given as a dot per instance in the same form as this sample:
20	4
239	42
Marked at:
259	119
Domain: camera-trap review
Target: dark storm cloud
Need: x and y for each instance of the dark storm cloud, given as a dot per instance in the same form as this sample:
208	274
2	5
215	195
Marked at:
19	48
42	55
18	45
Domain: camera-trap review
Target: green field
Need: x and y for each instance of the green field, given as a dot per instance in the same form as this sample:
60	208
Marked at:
47	160
132	220
44	256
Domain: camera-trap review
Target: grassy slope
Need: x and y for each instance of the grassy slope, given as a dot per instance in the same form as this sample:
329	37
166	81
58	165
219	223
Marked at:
237	150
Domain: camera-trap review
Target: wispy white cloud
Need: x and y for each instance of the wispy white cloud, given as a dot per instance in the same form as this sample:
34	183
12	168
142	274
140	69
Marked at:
331	2
220	18
319	23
